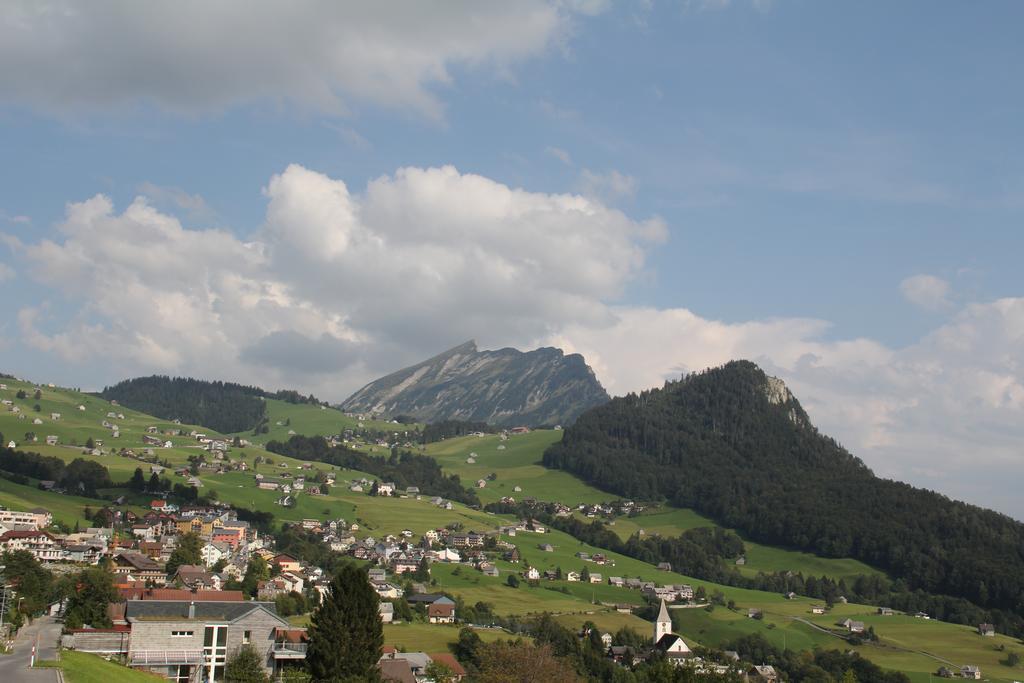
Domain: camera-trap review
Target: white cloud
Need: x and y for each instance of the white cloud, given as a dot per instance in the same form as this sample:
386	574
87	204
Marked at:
194	56
339	286
927	291
945	412
6	272
418	260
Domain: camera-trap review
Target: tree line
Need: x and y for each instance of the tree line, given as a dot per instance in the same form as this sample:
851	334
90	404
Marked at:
402	467
223	406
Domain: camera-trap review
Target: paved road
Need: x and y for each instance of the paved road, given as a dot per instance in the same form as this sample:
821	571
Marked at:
14	667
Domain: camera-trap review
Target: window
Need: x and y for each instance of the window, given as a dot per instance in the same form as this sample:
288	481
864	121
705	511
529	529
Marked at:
246	637
182	634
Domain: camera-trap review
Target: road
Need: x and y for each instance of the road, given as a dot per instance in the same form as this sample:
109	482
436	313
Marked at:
14	667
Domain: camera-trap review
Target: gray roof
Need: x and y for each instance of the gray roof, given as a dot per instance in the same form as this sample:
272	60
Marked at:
173	610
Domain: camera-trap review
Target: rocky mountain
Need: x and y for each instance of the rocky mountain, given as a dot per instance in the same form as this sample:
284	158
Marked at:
505	387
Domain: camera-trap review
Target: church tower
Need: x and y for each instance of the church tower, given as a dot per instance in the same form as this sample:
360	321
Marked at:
663	624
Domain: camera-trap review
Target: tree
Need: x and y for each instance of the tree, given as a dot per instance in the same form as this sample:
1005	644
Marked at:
439	673
346	634
90	444
257	570
188	551
21	394
138	481
512	662
32	581
93	591
38	395
512	581
374	489
422	572
37	408
585	575
154	483
244	666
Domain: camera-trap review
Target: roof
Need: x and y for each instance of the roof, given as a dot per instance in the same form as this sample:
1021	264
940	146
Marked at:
180	594
663	613
139	561
23	534
178	610
396	670
449	661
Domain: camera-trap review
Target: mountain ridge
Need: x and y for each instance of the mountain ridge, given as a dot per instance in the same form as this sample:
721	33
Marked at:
503	387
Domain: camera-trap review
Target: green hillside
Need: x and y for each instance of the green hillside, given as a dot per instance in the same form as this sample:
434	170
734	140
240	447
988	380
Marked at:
311	420
907	644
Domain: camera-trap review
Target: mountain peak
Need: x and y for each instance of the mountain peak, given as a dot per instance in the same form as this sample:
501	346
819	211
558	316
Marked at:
502	387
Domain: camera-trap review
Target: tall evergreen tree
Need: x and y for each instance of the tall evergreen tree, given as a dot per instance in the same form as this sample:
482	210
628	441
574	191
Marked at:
346	634
138	481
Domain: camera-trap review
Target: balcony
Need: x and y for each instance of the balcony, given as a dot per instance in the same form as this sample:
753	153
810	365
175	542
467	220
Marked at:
289	650
164	657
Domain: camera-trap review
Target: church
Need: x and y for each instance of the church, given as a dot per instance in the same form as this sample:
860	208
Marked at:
676	651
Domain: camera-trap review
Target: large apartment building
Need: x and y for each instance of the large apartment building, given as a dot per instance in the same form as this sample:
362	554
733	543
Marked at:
189	641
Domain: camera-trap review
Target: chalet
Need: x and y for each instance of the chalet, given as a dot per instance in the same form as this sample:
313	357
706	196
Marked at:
572	576
596	578
287	563
616	581
790	595
765	673
55	416
547	547
481	483
196	577
441	611
40	544
852	626
970	671
885	611
532	574
52	440
386	488
140	568
986	630
489	569
665	566
817	609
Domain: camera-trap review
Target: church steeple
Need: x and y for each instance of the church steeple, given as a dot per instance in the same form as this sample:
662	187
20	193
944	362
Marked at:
663	624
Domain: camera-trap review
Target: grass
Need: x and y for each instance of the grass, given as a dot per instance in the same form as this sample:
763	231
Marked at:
904	644
422	637
518	464
80	667
311	420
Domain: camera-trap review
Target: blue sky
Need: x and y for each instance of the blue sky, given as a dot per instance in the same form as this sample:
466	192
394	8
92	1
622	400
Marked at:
832	189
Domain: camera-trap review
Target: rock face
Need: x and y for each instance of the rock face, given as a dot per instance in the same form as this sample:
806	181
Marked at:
506	387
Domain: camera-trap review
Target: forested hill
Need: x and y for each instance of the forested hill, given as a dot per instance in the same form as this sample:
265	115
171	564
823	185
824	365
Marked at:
735	445
223	406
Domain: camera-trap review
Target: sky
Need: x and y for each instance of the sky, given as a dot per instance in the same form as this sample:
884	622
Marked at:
312	194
